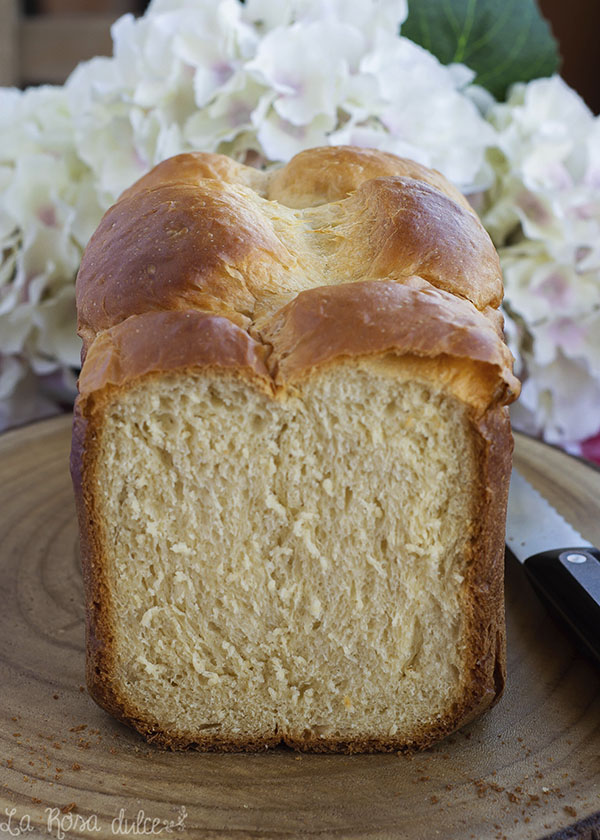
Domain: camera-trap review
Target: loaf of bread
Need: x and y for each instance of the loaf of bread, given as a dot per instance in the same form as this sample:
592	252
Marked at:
291	455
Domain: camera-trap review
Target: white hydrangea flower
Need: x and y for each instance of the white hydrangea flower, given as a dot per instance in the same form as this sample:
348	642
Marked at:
368	17
281	139
544	212
562	399
308	67
545	133
279	76
48	210
449	134
241	103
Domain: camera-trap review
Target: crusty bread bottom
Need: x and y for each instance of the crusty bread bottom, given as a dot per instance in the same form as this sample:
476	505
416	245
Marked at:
289	569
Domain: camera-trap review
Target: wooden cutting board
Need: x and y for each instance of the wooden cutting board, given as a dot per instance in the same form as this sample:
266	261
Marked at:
527	769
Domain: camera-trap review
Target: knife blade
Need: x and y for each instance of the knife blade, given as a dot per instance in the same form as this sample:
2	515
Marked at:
562	566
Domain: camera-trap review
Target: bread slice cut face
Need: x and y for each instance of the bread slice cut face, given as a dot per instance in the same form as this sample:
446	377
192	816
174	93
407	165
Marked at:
291	568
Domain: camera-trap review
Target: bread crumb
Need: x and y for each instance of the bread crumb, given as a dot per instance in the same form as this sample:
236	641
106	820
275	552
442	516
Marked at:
75	766
570	810
481	788
66	809
79	728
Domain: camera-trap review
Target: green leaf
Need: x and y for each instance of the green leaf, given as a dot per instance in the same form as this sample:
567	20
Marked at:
503	41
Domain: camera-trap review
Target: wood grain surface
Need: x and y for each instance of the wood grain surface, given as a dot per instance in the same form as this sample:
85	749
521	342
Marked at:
527	769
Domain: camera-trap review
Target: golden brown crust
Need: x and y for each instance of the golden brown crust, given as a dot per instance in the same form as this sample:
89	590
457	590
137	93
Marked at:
196	232
193	167
175	248
163	341
397	227
373	318
331	173
191	270
313	177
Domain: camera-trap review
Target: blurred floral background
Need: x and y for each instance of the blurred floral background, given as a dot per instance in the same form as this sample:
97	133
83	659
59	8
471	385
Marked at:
476	97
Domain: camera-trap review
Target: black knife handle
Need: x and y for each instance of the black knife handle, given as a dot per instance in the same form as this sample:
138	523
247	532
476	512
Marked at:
568	580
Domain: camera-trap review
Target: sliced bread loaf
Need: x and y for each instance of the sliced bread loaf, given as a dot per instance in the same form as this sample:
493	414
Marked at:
291	455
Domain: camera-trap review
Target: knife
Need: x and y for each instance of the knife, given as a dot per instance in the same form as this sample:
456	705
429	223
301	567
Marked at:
563	568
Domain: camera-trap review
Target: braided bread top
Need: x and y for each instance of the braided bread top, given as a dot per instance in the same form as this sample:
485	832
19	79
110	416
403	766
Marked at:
203	233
